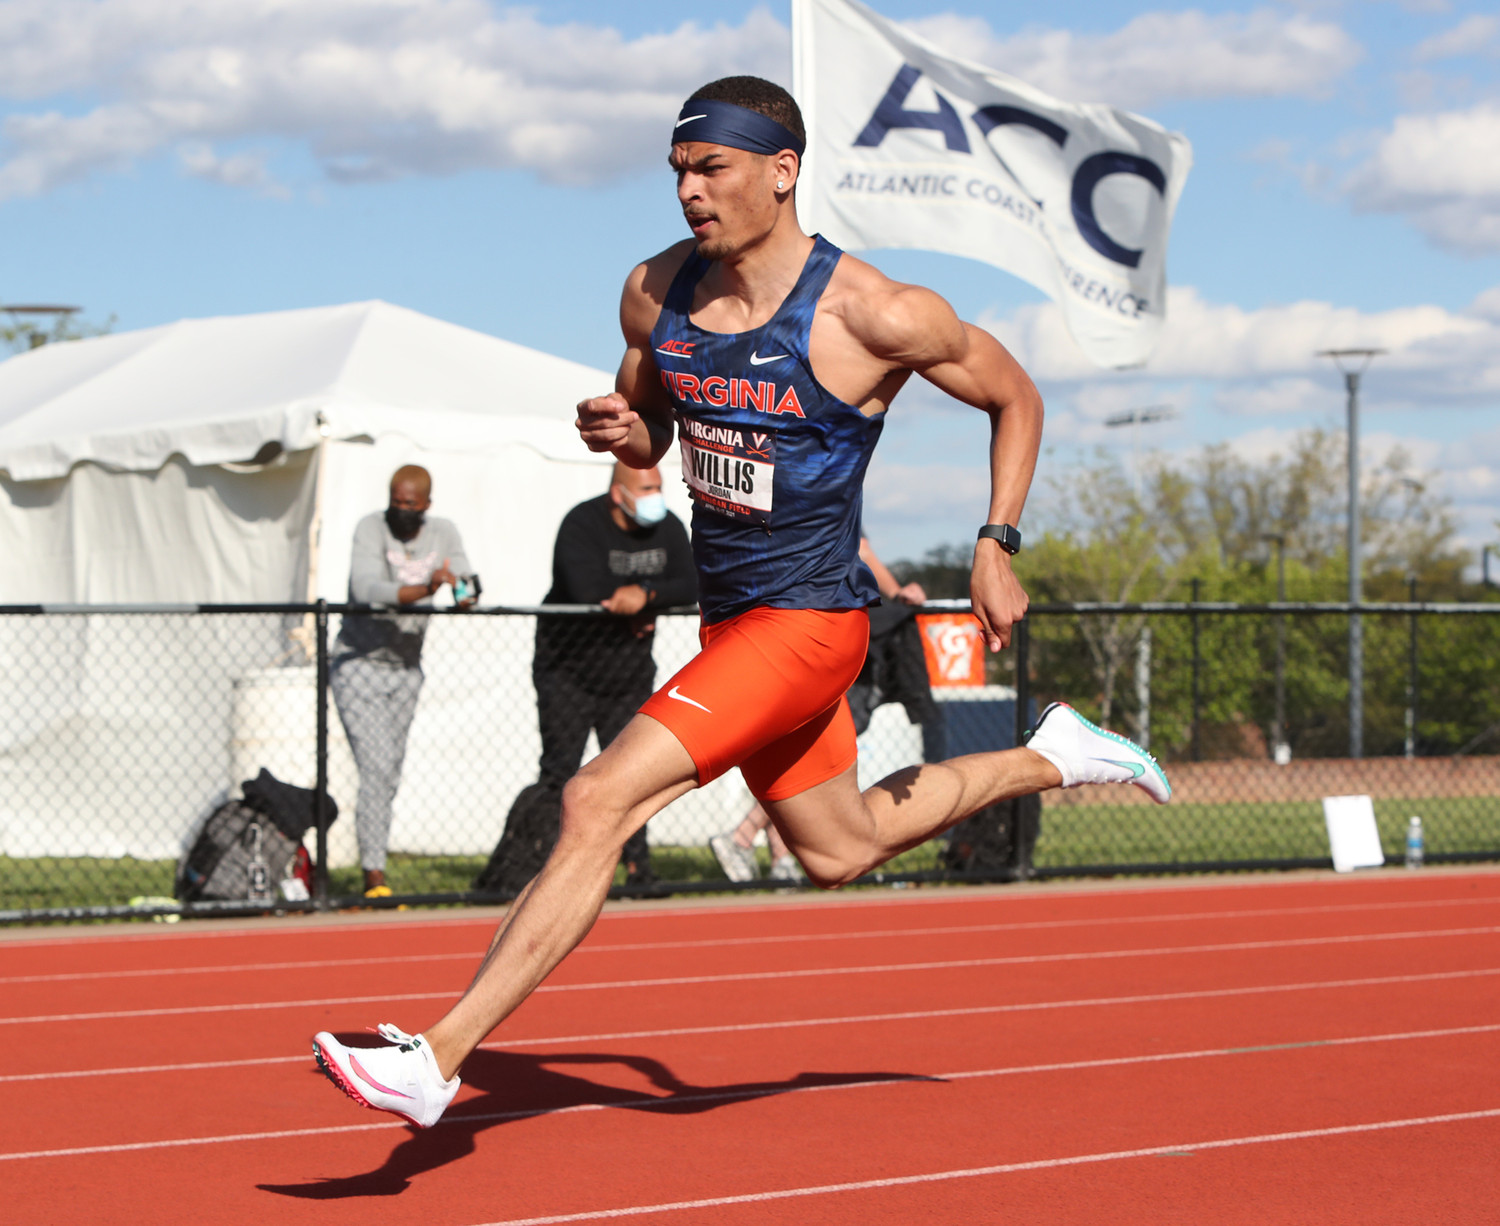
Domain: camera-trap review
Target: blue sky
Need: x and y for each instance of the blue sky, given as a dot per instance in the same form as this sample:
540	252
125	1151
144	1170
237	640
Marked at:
503	168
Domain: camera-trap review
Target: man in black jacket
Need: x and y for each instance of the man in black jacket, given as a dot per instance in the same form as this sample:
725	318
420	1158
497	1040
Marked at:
626	553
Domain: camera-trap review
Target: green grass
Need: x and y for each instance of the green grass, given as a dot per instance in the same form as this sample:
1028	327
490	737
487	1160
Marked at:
80	881
1071	836
1126	834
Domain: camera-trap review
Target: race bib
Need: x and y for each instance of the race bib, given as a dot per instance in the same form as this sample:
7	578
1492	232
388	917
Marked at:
729	470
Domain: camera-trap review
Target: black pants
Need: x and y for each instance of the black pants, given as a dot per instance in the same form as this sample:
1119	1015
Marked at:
568	709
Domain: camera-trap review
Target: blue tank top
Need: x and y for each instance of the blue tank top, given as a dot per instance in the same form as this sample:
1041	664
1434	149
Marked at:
774	463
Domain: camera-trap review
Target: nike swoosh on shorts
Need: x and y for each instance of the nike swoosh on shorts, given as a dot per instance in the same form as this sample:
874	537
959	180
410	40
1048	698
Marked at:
757	360
672	693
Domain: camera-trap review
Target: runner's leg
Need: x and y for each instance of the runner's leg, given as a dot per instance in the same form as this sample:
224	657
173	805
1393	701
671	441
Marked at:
639	773
839	833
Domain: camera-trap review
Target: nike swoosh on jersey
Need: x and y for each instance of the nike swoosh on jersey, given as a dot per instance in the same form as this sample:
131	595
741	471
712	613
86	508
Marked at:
689	119
757	360
672	693
1135	768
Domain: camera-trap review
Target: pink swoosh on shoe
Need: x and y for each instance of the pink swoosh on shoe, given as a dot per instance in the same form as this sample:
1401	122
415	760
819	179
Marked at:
360	1069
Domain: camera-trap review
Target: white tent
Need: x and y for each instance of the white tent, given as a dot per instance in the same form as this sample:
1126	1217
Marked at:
203	461
227	461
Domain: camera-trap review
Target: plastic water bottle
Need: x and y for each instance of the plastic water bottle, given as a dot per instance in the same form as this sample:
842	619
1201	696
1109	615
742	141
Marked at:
260	871
1414	843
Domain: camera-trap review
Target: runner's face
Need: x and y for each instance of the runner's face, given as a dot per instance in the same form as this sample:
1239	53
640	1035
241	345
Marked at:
728	196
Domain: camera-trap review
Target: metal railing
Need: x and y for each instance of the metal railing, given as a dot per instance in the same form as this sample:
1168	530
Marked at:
125	728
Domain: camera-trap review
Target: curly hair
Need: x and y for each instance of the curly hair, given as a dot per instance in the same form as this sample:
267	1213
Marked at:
760	96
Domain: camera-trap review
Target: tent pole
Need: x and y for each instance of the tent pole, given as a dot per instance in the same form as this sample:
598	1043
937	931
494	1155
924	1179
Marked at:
315	535
315	528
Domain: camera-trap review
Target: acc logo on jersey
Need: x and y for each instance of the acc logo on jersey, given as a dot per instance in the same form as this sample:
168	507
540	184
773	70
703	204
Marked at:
677	349
762	396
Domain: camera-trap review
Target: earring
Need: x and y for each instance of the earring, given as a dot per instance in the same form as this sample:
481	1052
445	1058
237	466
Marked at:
780	186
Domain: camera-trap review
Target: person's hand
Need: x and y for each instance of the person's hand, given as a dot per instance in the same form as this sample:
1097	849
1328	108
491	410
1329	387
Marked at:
605	421
627	601
910	593
996	594
439	577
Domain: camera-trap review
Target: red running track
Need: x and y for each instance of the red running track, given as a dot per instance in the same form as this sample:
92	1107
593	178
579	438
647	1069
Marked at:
1308	1049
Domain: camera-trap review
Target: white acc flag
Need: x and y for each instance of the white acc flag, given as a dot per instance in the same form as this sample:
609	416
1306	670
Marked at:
909	147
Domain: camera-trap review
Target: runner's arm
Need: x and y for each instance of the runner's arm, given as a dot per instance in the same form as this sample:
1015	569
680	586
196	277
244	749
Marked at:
635	421
917	329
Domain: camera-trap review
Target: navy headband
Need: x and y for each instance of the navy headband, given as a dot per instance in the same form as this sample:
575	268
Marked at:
724	123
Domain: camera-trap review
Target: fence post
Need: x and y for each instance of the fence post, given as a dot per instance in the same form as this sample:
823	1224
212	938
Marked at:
1021	641
1411	675
320	787
1020	836
1197	674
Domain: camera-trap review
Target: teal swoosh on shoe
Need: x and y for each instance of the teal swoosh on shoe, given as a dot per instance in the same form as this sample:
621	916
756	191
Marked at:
1135	768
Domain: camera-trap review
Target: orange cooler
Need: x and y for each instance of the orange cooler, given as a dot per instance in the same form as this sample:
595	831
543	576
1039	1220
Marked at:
954	647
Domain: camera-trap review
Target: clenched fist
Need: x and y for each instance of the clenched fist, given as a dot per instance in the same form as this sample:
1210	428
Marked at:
605	422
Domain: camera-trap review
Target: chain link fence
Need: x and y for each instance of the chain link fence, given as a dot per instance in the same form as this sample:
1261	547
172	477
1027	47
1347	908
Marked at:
126	729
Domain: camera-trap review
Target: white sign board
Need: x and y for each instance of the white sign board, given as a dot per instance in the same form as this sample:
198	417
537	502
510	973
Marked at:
1352	835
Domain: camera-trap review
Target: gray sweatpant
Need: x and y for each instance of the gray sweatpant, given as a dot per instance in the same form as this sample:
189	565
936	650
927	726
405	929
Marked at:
376	703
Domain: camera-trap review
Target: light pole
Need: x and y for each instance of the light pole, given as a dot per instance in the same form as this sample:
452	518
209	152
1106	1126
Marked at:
1353	363
1416	487
1134	418
1281	752
35	337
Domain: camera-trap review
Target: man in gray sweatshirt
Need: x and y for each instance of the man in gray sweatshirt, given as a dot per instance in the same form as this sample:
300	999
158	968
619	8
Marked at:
402	557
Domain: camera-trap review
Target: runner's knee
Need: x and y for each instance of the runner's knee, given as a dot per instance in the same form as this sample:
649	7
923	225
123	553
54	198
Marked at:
830	872
592	811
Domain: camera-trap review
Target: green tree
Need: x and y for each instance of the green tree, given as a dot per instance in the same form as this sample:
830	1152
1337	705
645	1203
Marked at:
22	333
1208	518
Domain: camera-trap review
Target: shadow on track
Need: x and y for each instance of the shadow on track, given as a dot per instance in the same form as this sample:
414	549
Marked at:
518	1087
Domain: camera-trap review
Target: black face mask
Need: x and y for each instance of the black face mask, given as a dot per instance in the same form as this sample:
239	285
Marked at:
403	523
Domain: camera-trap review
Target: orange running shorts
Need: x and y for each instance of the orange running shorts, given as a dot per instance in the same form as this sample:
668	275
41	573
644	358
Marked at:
766	694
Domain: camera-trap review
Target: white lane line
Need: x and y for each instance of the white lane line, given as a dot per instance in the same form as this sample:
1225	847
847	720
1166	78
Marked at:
804	1023
744	1093
850	902
472	955
1008	1168
782	974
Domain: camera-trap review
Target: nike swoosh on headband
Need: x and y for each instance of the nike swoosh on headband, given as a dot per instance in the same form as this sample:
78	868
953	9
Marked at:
689	119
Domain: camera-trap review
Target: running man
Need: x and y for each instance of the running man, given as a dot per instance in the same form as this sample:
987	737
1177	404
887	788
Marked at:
773	357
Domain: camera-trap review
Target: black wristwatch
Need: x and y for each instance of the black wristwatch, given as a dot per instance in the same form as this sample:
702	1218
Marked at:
1007	534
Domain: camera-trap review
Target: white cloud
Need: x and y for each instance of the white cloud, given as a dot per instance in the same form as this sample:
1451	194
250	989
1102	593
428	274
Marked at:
384	88
1439	367
1487	305
1443	172
929	491
1187	54
1449	356
374	88
1469	37
1274	398
243	170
